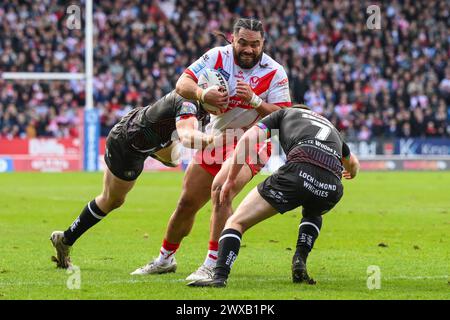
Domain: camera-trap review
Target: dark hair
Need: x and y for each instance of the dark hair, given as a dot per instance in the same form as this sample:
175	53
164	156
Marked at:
243	23
249	24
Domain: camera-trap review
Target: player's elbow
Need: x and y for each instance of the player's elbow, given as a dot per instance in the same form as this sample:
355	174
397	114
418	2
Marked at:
352	165
182	85
355	164
179	87
268	109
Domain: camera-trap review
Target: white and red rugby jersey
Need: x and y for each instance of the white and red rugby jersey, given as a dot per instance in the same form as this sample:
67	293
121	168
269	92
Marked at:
269	82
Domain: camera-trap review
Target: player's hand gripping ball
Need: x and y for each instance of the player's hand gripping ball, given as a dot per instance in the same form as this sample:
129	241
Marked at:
213	80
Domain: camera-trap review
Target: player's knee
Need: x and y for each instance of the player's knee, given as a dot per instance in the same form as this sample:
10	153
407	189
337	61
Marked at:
314	219
117	202
187	206
215	193
234	222
112	202
216	186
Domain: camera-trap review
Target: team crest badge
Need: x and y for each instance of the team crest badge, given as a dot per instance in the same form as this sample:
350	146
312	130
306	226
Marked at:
254	82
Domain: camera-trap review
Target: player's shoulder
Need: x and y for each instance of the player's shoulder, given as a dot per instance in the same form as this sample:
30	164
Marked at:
224	51
277	71
296	113
271	64
173	99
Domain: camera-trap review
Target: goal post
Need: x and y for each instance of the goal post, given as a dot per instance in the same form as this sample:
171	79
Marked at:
91	128
90	120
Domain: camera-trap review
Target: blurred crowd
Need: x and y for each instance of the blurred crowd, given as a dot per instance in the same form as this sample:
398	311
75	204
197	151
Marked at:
387	82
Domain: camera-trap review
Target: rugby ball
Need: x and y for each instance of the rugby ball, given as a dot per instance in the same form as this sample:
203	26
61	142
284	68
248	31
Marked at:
211	78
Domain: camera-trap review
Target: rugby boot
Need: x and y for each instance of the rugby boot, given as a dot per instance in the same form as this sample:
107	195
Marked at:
62	257
202	273
215	282
156	267
299	272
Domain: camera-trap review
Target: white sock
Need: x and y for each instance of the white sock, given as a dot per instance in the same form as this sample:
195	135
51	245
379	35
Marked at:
165	256
211	258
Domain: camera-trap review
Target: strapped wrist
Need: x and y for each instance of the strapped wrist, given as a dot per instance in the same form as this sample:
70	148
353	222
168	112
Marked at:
205	91
255	101
199	93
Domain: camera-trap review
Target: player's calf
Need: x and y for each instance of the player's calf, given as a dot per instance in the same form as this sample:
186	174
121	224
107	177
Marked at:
182	219
309	231
111	203
89	217
63	241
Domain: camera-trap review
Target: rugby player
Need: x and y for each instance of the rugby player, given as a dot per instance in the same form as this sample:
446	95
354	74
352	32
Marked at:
143	132
258	86
317	159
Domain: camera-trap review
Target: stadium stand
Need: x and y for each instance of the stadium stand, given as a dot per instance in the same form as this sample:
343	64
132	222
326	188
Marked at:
392	82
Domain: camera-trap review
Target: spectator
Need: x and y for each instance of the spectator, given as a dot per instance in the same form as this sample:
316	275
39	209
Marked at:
369	82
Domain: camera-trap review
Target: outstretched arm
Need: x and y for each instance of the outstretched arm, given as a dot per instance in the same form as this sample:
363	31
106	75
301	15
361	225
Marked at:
190	136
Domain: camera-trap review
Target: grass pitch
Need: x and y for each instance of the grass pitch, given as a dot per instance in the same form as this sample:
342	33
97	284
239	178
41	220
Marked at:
399	222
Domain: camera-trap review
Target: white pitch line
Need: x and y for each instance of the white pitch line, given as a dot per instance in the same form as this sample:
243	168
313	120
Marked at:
54	283
262	279
416	278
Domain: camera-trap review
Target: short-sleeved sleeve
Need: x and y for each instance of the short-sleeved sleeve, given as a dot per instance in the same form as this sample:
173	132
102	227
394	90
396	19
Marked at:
345	150
279	90
272	121
186	109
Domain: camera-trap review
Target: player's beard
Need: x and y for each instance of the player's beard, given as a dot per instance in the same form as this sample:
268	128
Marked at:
246	63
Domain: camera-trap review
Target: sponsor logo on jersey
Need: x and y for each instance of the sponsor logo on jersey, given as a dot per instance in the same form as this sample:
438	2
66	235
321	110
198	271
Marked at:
224	73
205	57
283	82
236	102
197	67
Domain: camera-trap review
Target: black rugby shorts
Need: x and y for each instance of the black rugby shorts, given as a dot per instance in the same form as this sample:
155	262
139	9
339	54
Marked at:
302	184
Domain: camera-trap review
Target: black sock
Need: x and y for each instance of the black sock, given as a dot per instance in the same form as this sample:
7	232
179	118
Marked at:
90	215
307	235
229	244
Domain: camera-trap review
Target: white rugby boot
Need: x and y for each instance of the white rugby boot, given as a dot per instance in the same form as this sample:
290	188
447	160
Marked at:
62	258
156	267
204	272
